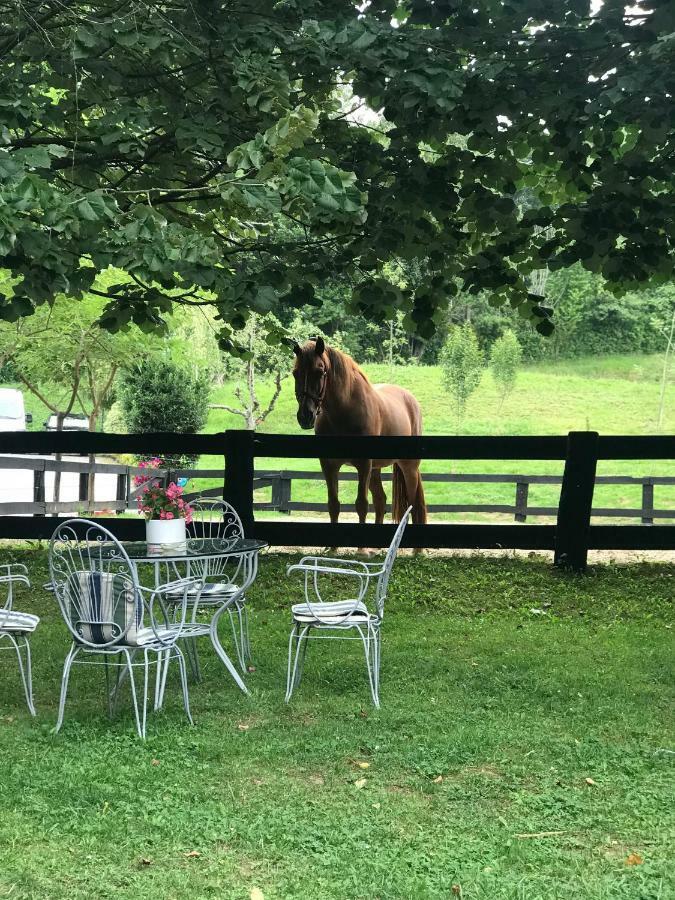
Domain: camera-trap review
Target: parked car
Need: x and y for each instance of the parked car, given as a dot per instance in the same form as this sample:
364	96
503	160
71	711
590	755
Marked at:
73	422
13	415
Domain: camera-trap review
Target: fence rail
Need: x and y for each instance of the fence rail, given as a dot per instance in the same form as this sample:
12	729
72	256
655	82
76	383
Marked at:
570	538
281	484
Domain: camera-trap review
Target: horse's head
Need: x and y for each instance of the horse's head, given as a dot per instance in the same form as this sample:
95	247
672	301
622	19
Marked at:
311	379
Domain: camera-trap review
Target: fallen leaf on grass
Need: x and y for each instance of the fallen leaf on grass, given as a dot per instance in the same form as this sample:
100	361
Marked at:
592	783
634	860
438	779
192	854
256	894
363	765
457	890
250	668
145	861
376	805
360	783
155	762
242	726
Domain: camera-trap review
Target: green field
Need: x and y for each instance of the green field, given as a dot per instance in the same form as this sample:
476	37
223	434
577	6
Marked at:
524	751
613	395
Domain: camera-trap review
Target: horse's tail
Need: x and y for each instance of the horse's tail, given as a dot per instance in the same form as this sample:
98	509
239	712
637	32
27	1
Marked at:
400	501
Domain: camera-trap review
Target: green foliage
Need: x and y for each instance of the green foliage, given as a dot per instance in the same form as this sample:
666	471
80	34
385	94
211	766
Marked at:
505	358
159	395
462	363
206	152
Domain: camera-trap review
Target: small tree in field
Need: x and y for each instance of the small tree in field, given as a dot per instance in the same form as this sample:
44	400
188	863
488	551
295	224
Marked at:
462	364
159	395
505	358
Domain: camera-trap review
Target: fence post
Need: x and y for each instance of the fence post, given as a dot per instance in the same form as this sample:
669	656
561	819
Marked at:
576	501
83	492
522	490
238	486
38	485
121	498
647	502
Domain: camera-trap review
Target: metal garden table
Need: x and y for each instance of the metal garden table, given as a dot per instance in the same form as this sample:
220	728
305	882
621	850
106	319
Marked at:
198	557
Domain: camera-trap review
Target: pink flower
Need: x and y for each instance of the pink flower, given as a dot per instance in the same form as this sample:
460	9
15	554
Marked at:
162	514
169	515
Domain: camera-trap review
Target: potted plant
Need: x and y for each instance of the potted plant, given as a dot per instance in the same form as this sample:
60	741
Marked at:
166	515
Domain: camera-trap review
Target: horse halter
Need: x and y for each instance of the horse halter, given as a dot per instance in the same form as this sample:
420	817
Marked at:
317	398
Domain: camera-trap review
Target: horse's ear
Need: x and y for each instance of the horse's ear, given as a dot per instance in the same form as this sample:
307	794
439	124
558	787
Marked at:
320	346
297	350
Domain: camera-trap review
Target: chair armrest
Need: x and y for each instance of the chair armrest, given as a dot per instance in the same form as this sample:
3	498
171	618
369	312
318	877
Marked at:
320	569
9	567
169	585
333	561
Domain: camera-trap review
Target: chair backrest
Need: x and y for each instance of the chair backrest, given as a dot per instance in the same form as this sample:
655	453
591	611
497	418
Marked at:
95	584
383	580
218	521
214	519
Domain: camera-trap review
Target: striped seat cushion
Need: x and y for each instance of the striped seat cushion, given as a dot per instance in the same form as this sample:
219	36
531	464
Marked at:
210	592
11	620
302	612
103	606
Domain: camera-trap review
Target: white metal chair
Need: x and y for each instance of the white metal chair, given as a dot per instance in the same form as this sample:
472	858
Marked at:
342	615
15	626
110	615
217	521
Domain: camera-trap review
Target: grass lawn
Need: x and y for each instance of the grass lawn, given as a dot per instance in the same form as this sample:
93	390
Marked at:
523	750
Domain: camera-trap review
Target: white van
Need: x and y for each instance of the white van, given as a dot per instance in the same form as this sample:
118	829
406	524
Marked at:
12	411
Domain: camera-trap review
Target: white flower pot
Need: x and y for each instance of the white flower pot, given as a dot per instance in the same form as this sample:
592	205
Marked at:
165	537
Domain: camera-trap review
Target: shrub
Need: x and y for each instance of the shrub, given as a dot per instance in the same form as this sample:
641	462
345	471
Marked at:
158	395
505	358
462	364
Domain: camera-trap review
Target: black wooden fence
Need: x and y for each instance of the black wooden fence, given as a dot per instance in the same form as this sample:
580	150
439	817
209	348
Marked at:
570	538
280	484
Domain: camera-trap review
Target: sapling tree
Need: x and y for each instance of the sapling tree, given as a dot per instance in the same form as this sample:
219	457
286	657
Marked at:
462	364
505	358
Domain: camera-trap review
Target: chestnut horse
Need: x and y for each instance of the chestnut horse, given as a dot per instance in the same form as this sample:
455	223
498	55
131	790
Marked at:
336	397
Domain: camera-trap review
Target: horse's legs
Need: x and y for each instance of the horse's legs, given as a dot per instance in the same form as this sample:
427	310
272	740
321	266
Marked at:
331	470
364	467
379	497
411	475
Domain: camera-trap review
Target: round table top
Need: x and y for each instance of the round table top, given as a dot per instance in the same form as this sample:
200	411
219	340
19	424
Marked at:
195	548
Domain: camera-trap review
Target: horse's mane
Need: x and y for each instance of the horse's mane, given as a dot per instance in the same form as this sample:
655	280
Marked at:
344	369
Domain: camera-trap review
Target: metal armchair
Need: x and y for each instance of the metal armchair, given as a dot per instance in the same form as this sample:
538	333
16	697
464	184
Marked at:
15	626
335	619
111	616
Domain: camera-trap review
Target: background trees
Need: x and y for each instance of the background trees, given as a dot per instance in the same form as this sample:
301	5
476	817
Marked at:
224	156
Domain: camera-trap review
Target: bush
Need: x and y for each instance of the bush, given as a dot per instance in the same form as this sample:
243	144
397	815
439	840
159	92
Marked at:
462	364
159	395
505	358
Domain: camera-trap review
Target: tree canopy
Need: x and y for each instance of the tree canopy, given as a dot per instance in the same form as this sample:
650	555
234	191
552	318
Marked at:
228	153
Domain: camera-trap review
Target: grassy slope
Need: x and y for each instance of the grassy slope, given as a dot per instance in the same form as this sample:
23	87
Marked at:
514	709
613	395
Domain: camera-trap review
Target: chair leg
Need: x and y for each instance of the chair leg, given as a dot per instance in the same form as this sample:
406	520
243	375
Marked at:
72	653
248	656
370	649
237	636
162	663
184	684
292	680
193	658
140	727
24	671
